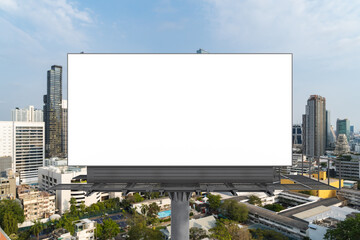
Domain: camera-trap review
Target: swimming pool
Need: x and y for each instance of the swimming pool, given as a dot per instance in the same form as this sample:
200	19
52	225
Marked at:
348	185
164	214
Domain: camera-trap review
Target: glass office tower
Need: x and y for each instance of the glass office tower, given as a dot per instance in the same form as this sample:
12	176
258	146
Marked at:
53	113
343	127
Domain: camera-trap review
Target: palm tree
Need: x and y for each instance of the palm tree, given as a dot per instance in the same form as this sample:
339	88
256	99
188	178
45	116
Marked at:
154	209
144	209
37	228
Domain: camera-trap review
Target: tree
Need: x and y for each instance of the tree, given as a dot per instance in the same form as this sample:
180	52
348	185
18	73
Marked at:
144	209
98	231
126	204
94	208
109	229
138	197
234	210
9	223
24	235
238	233
73	208
214	201
14	236
255	200
197	233
139	230
36	228
229	230
347	229
67	223
82	207
101	206
263	234
220	231
154	209
152	195
274	207
14	215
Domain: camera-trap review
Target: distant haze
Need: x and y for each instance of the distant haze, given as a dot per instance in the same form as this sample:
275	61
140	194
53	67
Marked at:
322	35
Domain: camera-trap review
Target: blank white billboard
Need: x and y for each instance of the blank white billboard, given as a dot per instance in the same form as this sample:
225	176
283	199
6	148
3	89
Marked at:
179	109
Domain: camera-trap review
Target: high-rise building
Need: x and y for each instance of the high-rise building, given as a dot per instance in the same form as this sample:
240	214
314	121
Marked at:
53	112
201	51
297	134
314	126
64	129
24	143
5	164
329	139
332	137
343	127
352	131
29	114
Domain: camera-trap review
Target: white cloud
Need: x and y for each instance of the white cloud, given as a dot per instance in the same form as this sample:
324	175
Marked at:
55	22
8	5
327	28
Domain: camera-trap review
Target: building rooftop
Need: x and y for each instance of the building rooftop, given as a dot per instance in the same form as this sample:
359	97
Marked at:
311	212
301	208
80	177
311	183
284	220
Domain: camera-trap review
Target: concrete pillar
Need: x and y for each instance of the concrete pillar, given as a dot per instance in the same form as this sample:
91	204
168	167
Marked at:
180	215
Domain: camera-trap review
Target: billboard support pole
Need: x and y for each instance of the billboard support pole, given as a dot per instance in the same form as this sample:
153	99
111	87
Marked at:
180	215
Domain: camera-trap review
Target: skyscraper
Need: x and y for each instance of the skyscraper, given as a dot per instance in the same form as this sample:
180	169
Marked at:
53	112
64	127
330	140
314	123
343	127
29	114
297	136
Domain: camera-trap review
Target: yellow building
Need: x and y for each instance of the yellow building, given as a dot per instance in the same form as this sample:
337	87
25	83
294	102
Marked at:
319	193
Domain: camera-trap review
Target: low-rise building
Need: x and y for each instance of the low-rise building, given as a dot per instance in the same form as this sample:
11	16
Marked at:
60	233
85	229
55	161
316	212
37	204
322	179
205	223
163	203
295	228
54	175
350	168
322	218
8	186
351	196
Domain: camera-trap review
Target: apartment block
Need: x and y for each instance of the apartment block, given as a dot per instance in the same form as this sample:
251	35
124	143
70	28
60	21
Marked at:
24	143
37	204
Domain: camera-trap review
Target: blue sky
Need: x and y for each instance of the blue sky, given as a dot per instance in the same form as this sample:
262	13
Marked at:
324	37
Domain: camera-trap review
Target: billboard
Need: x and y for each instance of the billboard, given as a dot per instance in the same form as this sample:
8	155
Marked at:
179	109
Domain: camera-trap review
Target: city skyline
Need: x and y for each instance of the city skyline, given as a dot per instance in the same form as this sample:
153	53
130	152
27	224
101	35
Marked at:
322	36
